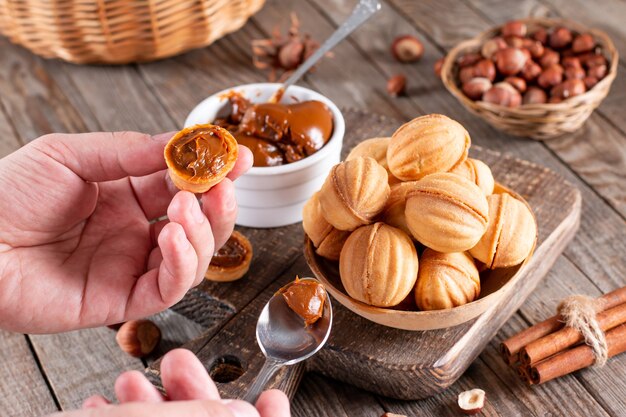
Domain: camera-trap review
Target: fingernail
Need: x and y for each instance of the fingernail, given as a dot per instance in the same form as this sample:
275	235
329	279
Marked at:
197	213
163	137
241	408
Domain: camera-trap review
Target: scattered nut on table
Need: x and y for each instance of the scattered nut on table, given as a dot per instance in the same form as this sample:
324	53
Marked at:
472	401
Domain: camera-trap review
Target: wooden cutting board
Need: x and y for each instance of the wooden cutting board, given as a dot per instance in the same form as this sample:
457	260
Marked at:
390	362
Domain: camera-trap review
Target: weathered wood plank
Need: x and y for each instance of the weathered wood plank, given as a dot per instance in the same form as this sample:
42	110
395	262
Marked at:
82	363
23	391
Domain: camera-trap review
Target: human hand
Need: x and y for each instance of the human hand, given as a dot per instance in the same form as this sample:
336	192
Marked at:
77	246
190	393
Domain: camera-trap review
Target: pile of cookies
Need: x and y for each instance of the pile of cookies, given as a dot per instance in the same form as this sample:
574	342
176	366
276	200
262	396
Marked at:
413	216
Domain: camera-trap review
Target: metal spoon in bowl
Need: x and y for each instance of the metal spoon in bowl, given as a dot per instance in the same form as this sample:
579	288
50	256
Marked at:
284	340
361	12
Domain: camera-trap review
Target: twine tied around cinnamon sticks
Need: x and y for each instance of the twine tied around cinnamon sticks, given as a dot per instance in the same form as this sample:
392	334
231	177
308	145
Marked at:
553	348
579	313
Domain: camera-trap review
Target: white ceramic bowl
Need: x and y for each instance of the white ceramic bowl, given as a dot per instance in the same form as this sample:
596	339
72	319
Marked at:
274	196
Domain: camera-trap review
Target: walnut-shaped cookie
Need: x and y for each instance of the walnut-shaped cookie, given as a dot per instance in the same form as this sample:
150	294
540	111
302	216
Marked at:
374	148
232	260
393	214
200	156
354	193
478	172
446	212
425	145
446	280
378	265
327	240
510	235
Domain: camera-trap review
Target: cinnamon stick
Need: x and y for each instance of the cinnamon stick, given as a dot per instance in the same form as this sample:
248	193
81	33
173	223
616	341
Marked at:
567	337
577	358
511	347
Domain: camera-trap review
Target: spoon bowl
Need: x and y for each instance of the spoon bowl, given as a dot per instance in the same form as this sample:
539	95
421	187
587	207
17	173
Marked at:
285	340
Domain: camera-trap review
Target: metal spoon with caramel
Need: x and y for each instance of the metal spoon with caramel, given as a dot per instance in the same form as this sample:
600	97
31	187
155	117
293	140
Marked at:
293	326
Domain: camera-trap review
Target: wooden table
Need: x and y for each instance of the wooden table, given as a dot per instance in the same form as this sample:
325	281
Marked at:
44	373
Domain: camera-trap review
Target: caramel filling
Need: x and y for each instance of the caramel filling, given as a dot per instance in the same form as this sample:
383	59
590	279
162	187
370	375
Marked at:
276	133
306	298
200	153
232	254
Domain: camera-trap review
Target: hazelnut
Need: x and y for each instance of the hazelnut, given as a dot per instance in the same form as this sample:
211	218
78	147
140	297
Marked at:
549	57
531	71
571	61
560	38
476	87
541	35
550	76
467	60
503	94
396	85
555	100
378	265
583	43
510	235
354	193
427	144
568	88
446	212
534	95
472	401
446	280
517	82
574	73
437	67
510	61
407	48
590	82
597	71
514	41
490	47
466	74
593	59
514	28
485	69
535	48
138	338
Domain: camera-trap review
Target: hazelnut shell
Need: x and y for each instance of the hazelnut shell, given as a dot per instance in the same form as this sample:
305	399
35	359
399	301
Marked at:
447	212
354	193
446	280
378	265
510	234
427	144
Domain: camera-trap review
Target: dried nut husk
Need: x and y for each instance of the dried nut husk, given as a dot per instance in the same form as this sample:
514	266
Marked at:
327	240
510	235
354	193
446	280
425	145
374	148
393	214
378	265
447	212
478	172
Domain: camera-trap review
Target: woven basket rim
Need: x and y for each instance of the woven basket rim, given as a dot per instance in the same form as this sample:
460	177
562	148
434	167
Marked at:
530	109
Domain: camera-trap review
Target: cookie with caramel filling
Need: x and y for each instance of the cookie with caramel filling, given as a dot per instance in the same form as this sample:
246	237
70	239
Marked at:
231	261
200	156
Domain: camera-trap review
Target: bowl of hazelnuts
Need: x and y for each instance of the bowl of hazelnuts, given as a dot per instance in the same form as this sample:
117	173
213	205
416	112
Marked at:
534	77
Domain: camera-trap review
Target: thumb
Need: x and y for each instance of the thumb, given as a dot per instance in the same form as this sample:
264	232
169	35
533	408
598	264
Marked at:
169	409
106	156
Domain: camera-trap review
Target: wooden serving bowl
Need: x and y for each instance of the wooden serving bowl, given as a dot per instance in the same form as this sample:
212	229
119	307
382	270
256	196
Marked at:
492	282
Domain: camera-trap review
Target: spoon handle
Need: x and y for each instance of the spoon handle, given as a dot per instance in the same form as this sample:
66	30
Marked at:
362	11
267	372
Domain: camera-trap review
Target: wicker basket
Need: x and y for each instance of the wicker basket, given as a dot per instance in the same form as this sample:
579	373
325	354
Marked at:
120	31
537	121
